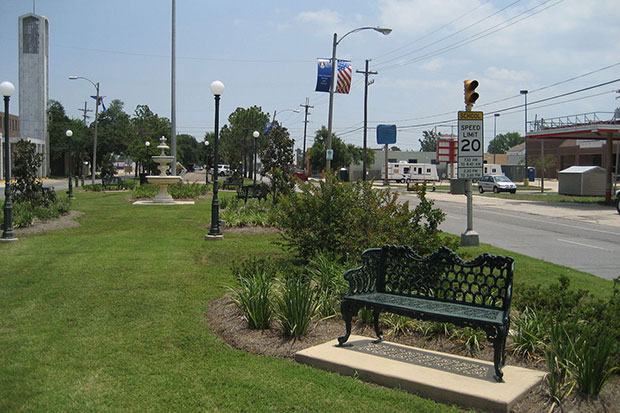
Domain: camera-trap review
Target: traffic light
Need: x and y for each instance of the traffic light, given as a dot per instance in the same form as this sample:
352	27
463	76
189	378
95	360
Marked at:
471	96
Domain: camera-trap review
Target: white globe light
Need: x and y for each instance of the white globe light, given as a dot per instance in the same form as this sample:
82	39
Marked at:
69	133
217	88
7	89
147	143
206	143
255	134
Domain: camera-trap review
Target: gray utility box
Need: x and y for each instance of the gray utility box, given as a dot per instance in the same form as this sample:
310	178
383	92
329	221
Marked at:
457	186
582	180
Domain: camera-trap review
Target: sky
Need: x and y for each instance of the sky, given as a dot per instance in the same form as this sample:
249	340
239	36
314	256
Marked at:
265	53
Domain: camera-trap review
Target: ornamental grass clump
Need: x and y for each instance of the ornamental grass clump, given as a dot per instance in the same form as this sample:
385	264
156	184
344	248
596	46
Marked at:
254	293
295	306
329	284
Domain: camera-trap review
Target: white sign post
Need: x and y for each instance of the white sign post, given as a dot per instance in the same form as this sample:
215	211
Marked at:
470	160
471	132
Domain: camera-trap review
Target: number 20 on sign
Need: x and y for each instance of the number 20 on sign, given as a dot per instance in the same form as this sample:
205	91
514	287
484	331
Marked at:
471	135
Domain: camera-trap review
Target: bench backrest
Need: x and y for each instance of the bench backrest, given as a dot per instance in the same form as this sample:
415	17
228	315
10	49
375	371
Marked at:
485	281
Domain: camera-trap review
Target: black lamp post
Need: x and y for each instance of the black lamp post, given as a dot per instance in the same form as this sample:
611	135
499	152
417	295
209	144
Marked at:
207	162
217	88
7	89
255	134
69	134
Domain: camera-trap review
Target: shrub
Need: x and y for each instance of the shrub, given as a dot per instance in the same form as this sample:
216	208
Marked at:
239	214
93	187
186	190
347	218
558	299
107	166
296	306
24	213
28	188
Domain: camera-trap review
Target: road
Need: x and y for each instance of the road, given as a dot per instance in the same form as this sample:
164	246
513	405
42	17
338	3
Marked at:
583	237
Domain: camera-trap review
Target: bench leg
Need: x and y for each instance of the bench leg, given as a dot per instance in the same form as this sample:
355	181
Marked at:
499	354
348	310
375	320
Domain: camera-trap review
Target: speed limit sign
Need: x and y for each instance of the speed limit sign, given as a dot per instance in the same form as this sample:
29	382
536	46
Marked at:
471	140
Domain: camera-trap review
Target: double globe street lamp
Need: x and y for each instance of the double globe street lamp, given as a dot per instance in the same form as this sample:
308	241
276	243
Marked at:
217	88
7	89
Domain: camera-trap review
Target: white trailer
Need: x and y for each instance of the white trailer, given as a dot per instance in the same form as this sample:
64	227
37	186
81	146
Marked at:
411	172
492	169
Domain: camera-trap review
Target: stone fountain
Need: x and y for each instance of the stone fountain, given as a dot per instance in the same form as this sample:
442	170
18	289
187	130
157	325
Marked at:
163	180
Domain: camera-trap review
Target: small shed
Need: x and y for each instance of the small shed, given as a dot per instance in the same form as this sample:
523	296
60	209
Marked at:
582	180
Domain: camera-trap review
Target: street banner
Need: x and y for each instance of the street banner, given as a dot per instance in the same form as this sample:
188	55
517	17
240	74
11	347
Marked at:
343	76
324	75
343	84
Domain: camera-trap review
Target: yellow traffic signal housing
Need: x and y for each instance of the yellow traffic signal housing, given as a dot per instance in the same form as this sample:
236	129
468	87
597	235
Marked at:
471	96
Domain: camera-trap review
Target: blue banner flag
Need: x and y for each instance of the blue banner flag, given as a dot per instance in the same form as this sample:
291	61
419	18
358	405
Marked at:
324	75
267	128
100	101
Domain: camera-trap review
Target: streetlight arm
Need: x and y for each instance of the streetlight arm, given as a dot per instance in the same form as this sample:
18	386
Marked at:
383	30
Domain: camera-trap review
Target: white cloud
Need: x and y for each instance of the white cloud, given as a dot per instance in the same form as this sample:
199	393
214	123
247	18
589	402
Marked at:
323	17
506	75
432	65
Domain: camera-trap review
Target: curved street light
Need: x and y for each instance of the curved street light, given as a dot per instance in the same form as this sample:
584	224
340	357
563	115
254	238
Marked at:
384	31
96	85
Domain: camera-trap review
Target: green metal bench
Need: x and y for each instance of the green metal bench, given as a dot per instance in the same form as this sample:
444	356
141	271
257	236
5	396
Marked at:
252	191
232	183
113	181
439	287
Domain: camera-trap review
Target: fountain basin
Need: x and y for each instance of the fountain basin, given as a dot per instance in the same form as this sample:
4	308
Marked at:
163	197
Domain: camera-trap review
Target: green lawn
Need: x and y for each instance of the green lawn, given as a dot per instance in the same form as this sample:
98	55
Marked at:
109	316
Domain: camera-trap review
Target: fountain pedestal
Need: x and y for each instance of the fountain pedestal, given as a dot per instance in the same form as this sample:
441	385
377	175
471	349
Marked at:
163	180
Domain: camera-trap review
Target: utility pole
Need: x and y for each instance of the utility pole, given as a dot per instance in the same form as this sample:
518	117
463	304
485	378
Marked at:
303	154
85	112
367	83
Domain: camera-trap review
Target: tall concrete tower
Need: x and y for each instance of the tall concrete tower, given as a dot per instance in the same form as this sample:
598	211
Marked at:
34	83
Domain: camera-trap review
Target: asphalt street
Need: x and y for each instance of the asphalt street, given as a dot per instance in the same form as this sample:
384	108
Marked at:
580	236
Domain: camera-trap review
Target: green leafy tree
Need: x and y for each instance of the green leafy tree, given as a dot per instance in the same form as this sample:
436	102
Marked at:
342	155
278	158
76	149
146	127
550	163
107	166
114	130
28	187
189	151
502	142
395	149
236	140
428	143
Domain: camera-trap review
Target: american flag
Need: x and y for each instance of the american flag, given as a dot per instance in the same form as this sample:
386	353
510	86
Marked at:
343	84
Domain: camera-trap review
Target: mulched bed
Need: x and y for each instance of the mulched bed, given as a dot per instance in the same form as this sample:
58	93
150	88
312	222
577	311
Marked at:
226	321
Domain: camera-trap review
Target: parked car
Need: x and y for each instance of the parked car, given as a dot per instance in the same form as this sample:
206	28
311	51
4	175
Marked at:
618	201
223	170
496	183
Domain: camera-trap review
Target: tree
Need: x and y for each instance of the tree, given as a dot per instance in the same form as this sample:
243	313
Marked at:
114	131
189	151
146	126
395	149
236	140
278	158
503	142
342	156
67	153
428	143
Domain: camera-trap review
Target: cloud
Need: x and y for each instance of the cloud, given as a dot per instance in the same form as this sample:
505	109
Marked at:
506	75
323	17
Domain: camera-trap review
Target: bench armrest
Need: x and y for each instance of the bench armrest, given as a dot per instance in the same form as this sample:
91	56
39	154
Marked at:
364	279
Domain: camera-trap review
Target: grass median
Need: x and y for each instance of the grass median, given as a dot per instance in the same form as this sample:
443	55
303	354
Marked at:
109	316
